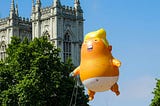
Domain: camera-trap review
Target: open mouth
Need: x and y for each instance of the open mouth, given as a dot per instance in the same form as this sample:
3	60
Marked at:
89	48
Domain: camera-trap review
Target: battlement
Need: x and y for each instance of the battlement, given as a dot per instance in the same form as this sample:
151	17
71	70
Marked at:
68	10
24	20
46	10
4	19
65	10
71	12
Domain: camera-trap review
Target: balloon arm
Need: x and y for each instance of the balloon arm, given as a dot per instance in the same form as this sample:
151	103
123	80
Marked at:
116	62
75	72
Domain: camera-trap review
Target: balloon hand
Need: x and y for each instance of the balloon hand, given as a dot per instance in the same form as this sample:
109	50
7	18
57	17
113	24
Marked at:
71	74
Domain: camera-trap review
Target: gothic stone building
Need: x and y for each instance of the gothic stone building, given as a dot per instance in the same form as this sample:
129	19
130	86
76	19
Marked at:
62	24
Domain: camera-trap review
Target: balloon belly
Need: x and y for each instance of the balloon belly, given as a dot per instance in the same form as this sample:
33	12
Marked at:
100	84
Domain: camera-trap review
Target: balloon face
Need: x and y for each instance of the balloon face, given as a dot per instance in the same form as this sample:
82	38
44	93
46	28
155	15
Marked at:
92	47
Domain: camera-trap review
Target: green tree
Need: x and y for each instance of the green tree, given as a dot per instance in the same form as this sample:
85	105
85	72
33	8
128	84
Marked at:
156	92
33	75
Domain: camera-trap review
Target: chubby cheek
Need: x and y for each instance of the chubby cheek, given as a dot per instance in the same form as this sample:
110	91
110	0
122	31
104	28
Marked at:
83	46
99	45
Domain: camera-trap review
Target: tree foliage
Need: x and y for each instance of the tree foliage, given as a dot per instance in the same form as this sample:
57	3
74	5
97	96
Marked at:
156	92
33	75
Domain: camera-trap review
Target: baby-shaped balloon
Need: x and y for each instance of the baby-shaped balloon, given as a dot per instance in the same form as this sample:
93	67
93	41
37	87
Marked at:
98	70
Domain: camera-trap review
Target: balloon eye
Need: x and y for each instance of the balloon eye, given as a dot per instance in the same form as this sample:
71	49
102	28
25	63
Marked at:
96	40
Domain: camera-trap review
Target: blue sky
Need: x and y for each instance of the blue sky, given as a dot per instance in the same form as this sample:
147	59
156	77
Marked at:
133	29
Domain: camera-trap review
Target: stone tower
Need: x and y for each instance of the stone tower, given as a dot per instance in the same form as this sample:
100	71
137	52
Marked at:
13	25
62	24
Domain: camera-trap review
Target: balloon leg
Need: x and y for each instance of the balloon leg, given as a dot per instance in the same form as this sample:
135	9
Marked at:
114	88
91	95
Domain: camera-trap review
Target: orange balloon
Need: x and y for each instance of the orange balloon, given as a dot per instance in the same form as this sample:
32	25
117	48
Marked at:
98	70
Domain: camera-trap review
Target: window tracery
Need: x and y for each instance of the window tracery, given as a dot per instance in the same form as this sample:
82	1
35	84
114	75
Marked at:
67	47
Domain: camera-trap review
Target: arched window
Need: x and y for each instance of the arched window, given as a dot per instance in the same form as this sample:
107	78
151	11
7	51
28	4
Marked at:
46	33
67	47
3	47
3	51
